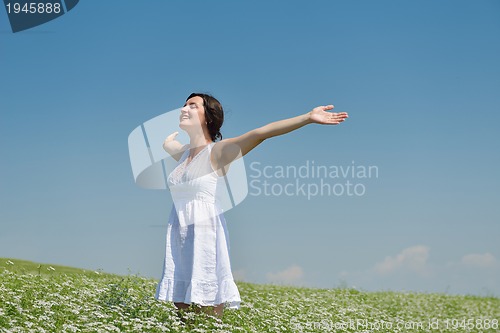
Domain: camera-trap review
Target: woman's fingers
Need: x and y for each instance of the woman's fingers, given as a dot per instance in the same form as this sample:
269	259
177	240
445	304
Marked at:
336	118
342	115
171	136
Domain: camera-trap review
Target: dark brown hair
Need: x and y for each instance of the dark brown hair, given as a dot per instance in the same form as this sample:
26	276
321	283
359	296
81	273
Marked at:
214	114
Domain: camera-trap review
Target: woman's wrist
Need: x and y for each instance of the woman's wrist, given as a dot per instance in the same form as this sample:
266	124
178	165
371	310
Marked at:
307	118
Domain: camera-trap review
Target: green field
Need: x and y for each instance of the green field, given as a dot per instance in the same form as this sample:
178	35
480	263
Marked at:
49	298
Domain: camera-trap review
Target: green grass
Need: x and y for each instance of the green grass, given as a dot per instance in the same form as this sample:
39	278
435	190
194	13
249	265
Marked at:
37	298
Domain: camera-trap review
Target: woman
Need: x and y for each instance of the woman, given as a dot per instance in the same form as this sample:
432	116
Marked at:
197	267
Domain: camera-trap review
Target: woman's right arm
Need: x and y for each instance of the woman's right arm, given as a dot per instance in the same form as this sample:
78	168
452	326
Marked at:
174	147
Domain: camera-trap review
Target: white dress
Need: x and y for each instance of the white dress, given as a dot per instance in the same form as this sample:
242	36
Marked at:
197	268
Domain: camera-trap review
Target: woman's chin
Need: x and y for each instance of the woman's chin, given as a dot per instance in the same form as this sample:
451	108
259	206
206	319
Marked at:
188	126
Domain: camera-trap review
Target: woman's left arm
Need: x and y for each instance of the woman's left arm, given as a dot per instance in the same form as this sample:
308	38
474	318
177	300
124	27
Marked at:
230	149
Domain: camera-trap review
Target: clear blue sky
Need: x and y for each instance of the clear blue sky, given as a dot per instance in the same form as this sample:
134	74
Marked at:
420	80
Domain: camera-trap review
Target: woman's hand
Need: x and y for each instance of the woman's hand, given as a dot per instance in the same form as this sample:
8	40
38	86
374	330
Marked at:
319	115
173	147
170	139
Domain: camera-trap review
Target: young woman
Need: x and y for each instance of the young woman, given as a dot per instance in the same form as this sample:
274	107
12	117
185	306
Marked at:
197	268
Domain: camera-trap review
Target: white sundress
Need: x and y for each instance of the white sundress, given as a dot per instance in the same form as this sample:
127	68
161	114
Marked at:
197	268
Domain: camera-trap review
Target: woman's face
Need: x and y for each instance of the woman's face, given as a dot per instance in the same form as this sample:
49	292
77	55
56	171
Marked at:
192	113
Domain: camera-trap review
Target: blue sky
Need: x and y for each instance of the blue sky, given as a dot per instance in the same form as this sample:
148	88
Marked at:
420	80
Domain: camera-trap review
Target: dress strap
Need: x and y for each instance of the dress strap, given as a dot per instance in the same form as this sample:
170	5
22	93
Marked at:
210	145
184	156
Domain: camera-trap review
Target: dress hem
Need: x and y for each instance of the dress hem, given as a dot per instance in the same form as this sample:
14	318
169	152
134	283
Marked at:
204	293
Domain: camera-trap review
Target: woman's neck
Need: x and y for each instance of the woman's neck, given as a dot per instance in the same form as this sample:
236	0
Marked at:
198	142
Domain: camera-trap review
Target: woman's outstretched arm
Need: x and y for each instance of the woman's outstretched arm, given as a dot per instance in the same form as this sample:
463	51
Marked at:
230	149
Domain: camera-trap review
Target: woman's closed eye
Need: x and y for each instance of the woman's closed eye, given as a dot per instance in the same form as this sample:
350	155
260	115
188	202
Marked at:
192	106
